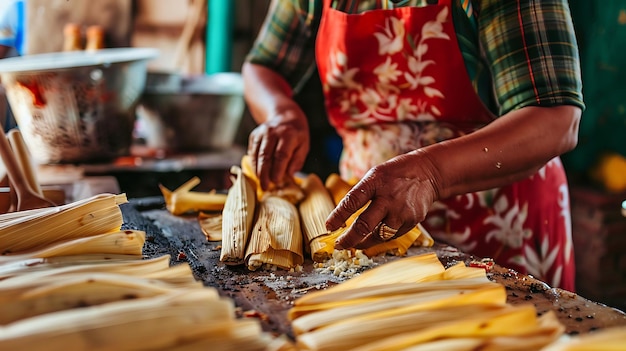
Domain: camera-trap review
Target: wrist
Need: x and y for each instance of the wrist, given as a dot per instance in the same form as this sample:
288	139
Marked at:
428	165
288	112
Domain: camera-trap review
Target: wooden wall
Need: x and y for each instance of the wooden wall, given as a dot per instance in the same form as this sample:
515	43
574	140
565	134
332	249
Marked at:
142	23
47	18
159	23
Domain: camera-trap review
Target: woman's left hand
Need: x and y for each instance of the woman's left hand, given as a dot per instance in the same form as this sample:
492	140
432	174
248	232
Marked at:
399	191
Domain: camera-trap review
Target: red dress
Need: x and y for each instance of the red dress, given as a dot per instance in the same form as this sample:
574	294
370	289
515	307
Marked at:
394	81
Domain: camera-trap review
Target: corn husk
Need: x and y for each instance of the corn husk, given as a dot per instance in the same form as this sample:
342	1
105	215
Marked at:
323	246
33	229
337	187
289	190
414	303
211	225
608	339
99	263
34	296
314	209
379	307
149	323
337	297
402	330
125	242
276	237
421	268
183	200
36	264
237	218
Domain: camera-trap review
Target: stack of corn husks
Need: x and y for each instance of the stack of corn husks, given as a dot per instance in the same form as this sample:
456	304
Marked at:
276	227
414	303
70	279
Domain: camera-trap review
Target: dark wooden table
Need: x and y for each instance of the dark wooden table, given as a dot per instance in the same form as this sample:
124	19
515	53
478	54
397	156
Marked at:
271	293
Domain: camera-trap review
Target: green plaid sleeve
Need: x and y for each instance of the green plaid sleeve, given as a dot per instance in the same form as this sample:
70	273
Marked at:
531	48
286	41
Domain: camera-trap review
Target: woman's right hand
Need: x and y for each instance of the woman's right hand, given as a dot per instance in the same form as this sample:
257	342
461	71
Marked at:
278	147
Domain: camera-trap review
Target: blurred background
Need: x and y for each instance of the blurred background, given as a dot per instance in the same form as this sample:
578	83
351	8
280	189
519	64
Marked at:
190	120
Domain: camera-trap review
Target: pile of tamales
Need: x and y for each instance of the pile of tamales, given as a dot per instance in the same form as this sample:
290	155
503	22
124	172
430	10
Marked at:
71	279
277	227
414	303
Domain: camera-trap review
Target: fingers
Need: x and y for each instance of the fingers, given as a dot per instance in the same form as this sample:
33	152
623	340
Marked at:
354	200
288	158
394	201
276	155
265	162
367	228
297	162
254	142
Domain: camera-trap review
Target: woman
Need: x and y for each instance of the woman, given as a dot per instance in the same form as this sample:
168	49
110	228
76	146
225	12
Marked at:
452	114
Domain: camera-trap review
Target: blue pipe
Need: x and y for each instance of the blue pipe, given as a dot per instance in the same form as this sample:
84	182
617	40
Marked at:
219	34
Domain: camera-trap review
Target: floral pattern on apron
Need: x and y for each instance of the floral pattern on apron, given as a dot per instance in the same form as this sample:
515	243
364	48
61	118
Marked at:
395	80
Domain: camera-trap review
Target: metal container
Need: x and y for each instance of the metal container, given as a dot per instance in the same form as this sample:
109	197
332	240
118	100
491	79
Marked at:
78	106
203	114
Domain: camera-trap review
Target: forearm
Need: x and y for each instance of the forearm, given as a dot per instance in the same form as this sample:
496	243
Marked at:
509	149
266	92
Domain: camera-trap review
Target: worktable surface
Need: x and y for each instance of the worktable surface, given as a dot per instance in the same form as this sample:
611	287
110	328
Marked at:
270	294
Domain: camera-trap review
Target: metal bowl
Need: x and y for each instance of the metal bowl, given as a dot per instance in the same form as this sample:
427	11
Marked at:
202	114
78	106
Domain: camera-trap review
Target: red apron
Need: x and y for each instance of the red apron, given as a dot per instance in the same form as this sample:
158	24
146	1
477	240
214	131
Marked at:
394	81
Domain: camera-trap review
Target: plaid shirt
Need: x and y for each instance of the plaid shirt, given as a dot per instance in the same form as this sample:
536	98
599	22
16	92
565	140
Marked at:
517	53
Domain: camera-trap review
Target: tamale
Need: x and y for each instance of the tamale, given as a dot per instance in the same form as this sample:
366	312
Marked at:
276	237
237	218
314	209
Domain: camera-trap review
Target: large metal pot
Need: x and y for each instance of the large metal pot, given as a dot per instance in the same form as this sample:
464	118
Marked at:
76	106
203	113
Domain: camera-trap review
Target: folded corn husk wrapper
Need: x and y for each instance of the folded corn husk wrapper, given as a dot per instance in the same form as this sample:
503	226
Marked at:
314	209
237	218
276	237
415	303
